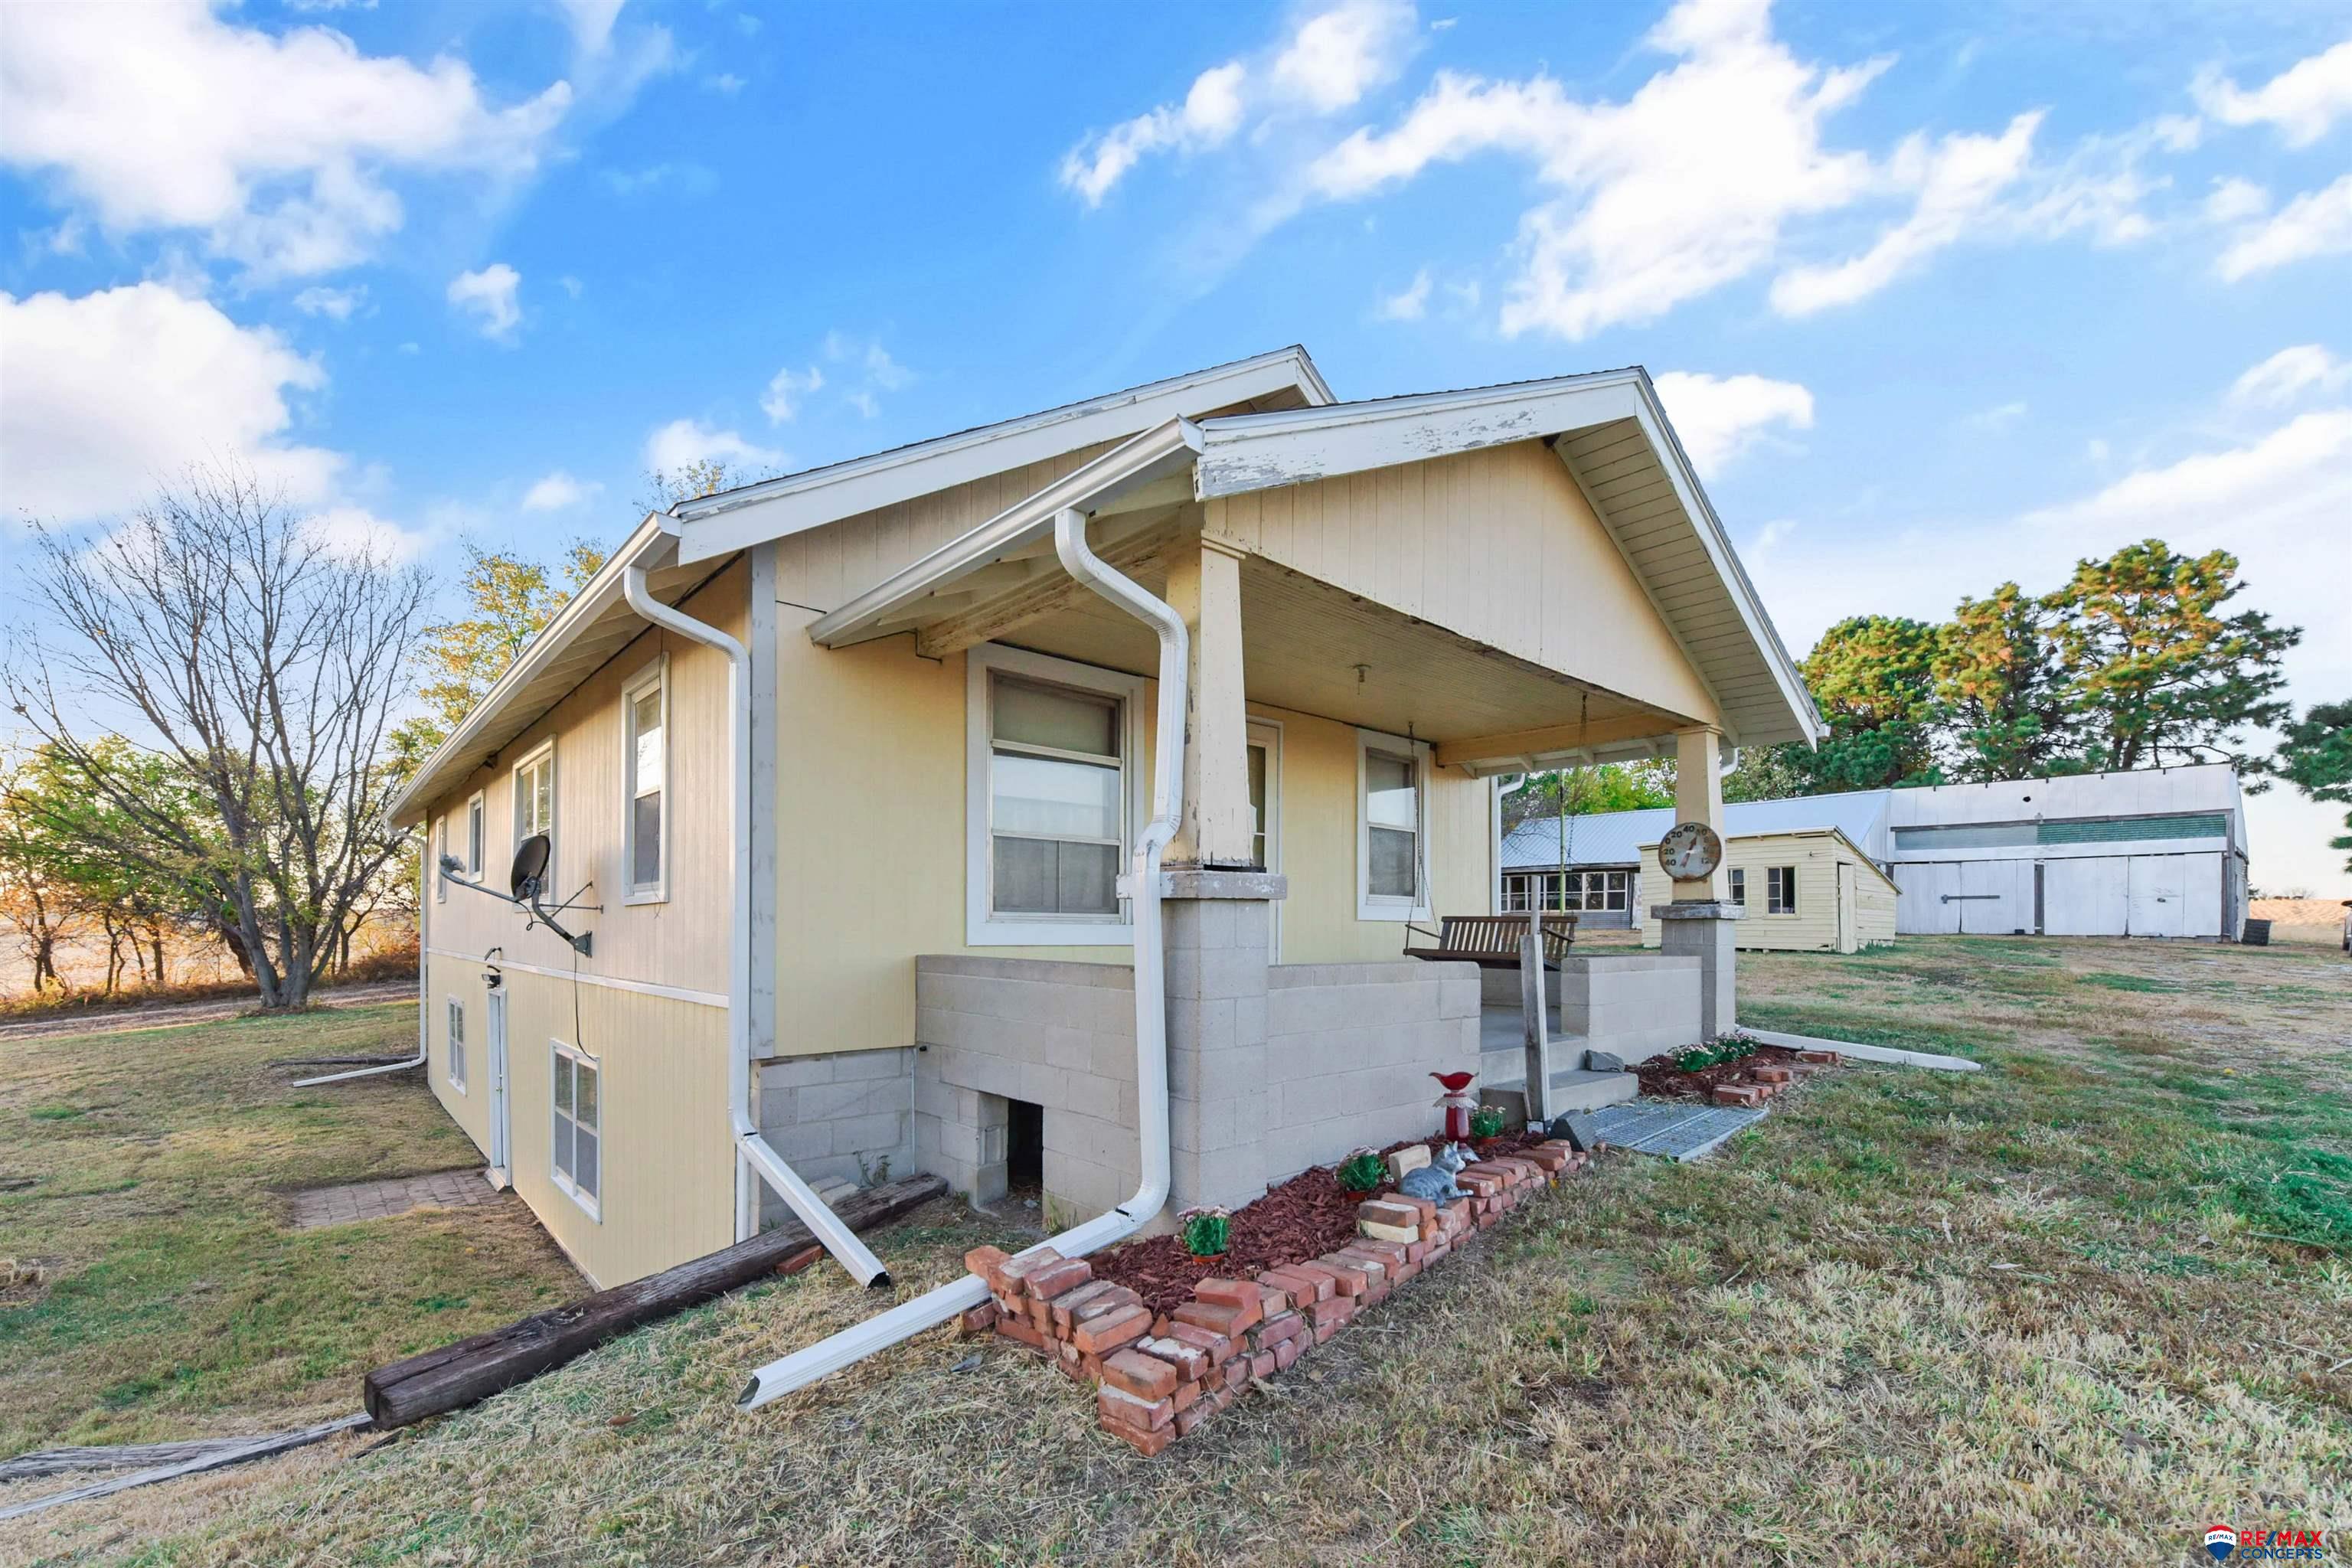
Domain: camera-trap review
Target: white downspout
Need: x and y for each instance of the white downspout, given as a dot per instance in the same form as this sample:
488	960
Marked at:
425	872
827	1356
753	1153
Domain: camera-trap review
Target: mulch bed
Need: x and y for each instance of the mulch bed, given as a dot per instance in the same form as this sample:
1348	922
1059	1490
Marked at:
1661	1079
1302	1218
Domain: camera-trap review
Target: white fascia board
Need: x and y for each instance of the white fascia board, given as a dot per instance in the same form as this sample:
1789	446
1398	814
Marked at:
600	592
1244	452
736	519
1168	449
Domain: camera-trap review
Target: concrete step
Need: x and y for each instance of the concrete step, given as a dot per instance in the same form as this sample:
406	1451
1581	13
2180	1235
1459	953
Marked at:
1572	1089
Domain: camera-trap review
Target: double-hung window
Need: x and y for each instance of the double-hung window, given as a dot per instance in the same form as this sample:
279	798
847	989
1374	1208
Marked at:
575	1155
534	802
1054	750
1739	886
1392	828
1781	891
645	767
457	1044
477	810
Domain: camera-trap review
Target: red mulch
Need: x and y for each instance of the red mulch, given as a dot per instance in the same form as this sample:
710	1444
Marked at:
1303	1218
1663	1081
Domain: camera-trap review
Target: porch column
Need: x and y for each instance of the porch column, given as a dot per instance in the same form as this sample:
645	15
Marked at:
1215	935
1698	922
1204	586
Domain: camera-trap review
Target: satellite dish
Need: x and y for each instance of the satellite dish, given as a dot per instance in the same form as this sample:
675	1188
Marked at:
529	866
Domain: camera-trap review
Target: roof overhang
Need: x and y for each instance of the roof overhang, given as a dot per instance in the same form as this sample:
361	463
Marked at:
774	508
1610	430
595	625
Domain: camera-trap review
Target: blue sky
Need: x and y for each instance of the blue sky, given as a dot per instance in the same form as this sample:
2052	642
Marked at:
1938	295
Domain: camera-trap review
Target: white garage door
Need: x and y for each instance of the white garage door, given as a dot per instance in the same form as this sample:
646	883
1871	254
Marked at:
2087	897
1996	897
1921	906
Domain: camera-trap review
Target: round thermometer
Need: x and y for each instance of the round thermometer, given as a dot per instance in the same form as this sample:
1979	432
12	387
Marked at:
1690	851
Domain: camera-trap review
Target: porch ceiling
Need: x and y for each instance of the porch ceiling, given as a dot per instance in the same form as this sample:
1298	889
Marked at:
1312	648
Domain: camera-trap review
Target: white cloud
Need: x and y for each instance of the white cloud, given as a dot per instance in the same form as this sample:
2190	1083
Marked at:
557	491
1327	64
1335	58
1678	190
2233	200
1210	114
864	401
2301	101
689	179
592	23
785	391
682	442
111	393
2290	374
335	304
353	530
1719	417
1958	181
865	356
489	296
1412	304
726	83
277	148
2318	223
2000	417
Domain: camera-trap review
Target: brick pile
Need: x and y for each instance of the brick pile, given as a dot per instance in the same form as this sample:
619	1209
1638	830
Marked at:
1158	1376
1770	1078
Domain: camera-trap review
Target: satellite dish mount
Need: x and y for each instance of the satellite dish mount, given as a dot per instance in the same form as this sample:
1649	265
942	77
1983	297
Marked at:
526	881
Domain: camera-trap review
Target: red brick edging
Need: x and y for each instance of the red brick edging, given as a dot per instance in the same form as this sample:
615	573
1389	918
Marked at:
1157	1379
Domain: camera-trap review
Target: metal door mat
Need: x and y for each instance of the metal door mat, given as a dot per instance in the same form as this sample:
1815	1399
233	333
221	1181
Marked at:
1675	1132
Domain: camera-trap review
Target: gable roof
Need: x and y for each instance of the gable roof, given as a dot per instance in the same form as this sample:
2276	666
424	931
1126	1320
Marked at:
1616	837
772	508
1607	428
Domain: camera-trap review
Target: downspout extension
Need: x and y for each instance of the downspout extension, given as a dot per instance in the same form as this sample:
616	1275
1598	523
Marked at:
904	1321
753	1149
425	874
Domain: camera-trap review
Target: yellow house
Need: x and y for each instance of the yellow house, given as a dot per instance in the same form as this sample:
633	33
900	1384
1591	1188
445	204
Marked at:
1803	891
862	789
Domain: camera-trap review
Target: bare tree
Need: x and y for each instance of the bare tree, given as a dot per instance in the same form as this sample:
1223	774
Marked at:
265	659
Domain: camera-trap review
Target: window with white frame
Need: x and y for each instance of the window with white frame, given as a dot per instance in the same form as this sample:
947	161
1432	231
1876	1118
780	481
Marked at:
477	829
644	766
457	1044
534	801
1599	891
575	1155
1392	828
1781	891
1055	749
1739	886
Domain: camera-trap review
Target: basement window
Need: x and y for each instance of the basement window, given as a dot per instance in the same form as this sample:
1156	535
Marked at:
575	1154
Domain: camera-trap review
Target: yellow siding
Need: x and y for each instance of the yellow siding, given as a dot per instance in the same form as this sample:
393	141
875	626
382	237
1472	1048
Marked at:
668	1165
871	858
1814	927
1498	545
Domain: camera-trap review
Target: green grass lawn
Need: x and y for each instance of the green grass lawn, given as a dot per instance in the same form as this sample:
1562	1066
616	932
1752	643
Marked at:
2071	1309
143	1176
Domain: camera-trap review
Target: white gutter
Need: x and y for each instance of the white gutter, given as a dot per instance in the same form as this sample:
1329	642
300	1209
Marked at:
753	1153
827	1356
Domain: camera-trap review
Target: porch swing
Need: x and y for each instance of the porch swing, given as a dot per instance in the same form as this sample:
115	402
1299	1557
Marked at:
1494	941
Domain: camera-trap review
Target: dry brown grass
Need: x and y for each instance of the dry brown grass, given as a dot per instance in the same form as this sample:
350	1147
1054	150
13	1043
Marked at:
2039	1313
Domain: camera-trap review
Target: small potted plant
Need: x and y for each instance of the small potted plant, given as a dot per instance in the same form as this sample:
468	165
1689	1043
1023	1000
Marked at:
1207	1230
1362	1170
1485	1123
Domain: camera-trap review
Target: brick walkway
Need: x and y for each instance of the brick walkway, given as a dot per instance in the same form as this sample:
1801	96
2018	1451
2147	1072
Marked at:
381	1200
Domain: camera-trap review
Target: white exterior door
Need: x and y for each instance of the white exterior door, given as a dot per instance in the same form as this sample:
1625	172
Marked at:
2201	906
1266	805
497	1020
1848	931
2160	902
2085	896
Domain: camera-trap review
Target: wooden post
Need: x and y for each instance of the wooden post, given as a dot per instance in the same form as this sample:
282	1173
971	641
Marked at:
1534	1014
1698	797
1204	586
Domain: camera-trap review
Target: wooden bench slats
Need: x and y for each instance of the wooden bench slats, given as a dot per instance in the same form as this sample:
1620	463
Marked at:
1492	942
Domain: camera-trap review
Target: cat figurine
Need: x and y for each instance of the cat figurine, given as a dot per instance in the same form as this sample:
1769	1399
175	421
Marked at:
1435	1183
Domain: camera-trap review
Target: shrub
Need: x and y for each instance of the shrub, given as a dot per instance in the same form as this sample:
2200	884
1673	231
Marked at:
1206	1231
1728	1047
1362	1170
